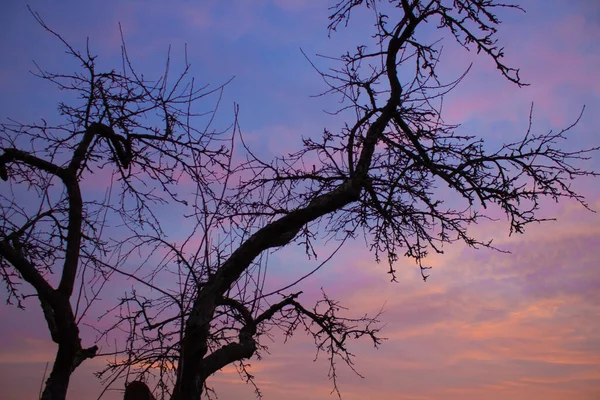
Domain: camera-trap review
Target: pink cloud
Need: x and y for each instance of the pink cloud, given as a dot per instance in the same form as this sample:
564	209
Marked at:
486	325
477	329
552	58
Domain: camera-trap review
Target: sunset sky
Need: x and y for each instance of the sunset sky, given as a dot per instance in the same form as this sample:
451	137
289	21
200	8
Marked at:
485	325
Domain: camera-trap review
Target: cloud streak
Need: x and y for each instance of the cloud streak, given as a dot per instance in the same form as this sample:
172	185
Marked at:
486	325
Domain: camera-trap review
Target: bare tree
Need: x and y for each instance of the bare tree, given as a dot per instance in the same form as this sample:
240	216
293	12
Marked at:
54	235
378	176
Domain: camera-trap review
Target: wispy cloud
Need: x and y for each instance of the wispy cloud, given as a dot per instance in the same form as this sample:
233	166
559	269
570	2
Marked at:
486	324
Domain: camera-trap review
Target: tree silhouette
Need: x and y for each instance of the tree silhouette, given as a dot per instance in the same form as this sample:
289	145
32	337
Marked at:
378	176
137	390
50	223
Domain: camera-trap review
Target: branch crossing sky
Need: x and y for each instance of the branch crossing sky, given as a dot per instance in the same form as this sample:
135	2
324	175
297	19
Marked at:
486	325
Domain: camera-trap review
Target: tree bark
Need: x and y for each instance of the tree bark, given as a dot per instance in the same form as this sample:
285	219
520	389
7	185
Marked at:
58	381
65	333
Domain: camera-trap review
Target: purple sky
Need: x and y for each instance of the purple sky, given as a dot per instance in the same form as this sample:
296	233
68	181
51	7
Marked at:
486	325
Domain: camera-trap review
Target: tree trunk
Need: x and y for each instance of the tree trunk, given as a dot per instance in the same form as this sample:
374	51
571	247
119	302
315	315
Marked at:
65	333
58	381
194	348
188	387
